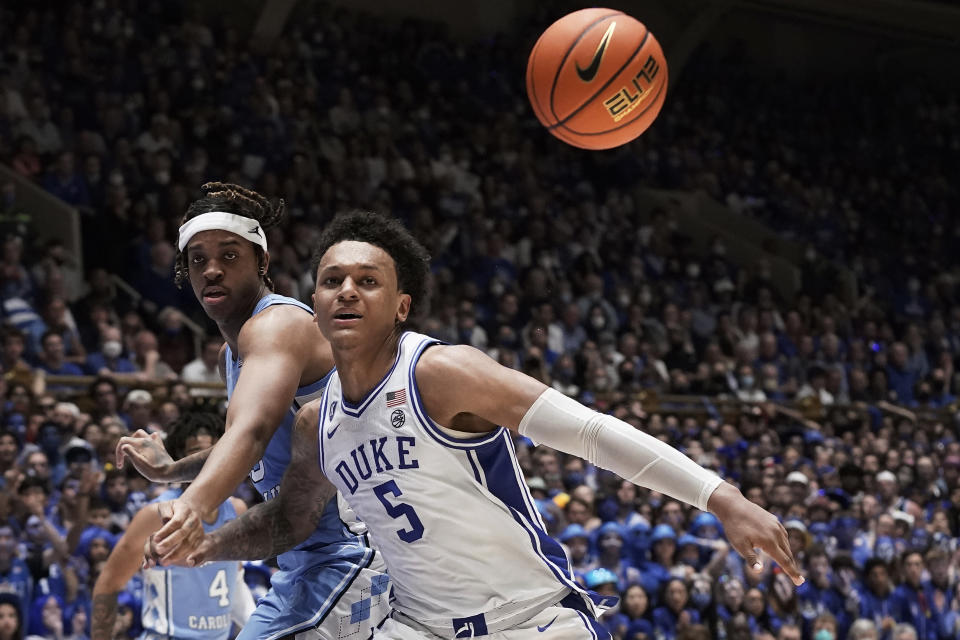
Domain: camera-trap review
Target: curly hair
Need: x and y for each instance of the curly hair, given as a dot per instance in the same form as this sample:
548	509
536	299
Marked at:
231	198
191	424
410	258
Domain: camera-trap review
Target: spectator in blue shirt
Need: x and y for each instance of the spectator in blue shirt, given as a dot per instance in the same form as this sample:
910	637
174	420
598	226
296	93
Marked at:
53	357
900	376
11	617
15	577
818	595
674	613
940	592
66	183
110	358
655	572
919	610
878	602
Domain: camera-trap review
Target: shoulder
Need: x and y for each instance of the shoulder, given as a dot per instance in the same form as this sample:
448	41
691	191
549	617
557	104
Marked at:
442	360
308	415
279	324
239	506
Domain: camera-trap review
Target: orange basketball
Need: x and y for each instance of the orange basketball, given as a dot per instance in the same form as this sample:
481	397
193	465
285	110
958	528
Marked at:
597	78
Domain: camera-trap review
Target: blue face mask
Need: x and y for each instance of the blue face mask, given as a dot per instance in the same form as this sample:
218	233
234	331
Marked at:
823	634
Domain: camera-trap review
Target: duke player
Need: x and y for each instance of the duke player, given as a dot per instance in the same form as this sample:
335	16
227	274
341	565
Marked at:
407	432
274	361
177	603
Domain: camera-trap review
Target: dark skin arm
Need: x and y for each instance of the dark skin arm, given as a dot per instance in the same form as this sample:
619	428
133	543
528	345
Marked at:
279	347
123	563
148	455
274	527
464	389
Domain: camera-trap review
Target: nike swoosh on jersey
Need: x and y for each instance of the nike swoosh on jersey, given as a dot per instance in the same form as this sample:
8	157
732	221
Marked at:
333	431
547	626
590	72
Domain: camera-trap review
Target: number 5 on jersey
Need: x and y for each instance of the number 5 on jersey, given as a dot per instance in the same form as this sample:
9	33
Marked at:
415	532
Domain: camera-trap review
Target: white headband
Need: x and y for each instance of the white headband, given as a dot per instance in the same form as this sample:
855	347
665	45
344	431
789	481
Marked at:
245	227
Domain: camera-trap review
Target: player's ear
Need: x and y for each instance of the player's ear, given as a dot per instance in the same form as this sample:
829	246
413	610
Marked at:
403	308
264	263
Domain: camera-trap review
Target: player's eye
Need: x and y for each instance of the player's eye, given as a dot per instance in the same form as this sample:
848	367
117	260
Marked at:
329	281
369	280
197	260
230	255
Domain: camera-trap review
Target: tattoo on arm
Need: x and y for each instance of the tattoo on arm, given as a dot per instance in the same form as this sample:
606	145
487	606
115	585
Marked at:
276	526
187	469
273	527
104	616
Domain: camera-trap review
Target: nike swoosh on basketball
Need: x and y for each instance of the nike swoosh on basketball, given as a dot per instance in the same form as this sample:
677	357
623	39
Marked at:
333	431
546	626
590	72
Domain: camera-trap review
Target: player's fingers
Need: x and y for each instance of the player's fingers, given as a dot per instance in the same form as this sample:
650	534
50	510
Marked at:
179	554
746	549
182	535
150	556
175	521
780	551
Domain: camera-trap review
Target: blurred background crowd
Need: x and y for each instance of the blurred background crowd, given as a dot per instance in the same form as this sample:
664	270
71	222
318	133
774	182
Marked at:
838	413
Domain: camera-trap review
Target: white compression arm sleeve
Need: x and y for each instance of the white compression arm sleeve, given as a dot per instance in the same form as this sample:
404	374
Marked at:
563	423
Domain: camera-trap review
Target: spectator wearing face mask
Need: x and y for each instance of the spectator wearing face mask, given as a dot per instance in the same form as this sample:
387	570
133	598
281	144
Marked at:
110	358
611	549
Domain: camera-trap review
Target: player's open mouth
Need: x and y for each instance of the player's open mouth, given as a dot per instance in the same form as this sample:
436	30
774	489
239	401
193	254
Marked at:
346	318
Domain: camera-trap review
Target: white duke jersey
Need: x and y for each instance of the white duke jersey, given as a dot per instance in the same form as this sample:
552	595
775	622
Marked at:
463	542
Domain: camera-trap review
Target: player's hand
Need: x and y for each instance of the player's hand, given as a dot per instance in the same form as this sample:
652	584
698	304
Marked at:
181	533
749	527
147	453
203	554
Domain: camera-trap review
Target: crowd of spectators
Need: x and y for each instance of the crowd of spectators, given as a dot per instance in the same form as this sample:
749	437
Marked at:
844	418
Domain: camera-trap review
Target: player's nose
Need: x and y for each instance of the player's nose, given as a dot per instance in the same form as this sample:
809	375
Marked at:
348	289
212	271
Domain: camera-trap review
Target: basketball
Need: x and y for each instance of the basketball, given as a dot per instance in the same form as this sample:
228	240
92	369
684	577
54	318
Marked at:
597	78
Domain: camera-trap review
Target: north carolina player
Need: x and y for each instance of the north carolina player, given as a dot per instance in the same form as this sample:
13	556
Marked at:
274	361
407	433
177	602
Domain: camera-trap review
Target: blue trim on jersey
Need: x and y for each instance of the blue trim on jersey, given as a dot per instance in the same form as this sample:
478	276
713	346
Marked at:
431	427
476	472
356	410
597	630
504	480
275	298
312	388
323	413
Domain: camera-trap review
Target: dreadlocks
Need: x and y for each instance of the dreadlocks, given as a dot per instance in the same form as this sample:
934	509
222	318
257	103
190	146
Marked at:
231	198
190	424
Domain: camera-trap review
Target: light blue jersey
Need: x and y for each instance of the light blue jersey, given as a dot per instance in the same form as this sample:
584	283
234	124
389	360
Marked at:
190	604
319	576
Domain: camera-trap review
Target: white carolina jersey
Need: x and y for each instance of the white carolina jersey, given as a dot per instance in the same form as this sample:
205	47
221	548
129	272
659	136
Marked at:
463	542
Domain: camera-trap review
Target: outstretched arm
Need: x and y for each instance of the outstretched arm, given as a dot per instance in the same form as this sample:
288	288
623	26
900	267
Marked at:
464	389
277	347
274	527
148	455
123	562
